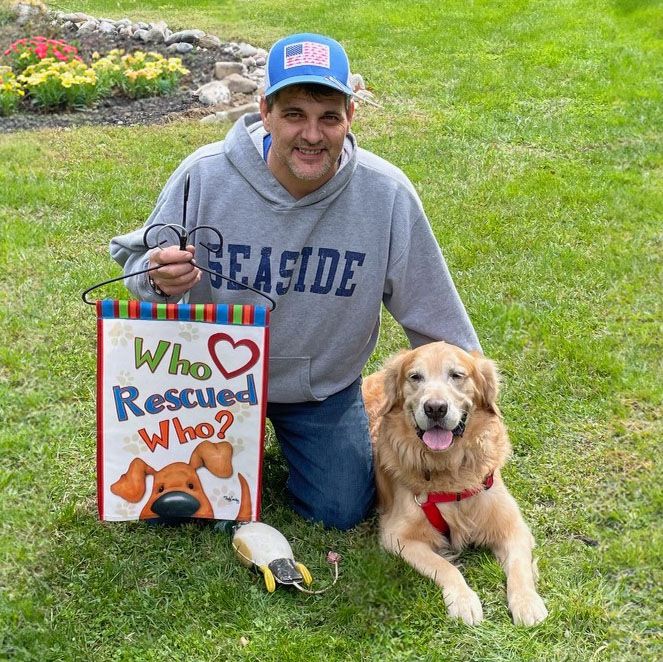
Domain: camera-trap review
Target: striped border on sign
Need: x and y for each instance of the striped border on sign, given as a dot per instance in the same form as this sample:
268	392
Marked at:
243	315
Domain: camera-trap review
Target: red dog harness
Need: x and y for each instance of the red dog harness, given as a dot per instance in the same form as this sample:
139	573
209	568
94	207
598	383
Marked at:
433	513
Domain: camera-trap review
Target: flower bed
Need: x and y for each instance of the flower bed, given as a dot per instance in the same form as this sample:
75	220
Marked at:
48	74
115	109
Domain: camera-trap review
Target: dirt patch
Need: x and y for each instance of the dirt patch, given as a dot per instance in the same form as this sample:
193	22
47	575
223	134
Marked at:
116	110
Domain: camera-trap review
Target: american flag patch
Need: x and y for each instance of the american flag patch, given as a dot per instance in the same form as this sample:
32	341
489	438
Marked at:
306	53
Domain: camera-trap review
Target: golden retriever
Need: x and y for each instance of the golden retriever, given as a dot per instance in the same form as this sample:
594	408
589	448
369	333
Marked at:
438	436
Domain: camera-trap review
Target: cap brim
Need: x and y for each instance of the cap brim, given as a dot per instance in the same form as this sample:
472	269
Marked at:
327	81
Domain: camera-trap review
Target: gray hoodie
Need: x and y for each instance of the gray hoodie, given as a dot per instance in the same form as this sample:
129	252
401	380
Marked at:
329	259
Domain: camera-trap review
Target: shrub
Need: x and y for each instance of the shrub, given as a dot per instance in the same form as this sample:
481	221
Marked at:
52	84
27	52
10	91
109	70
147	74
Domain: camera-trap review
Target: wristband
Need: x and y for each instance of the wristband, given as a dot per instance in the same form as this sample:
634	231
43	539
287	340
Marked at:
155	287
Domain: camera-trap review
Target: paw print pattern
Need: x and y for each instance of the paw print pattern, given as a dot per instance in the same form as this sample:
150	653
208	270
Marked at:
242	412
189	331
131	444
218	496
120	334
239	444
124	378
126	510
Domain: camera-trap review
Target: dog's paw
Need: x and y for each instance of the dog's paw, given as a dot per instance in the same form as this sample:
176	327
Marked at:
527	609
462	602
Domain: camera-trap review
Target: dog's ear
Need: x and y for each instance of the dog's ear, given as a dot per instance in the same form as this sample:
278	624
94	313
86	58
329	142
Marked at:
131	485
216	458
393	382
488	383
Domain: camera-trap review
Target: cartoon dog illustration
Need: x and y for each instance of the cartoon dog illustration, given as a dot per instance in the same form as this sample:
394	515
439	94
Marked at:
176	489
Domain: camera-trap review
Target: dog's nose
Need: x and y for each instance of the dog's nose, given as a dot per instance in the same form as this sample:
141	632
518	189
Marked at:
435	409
176	504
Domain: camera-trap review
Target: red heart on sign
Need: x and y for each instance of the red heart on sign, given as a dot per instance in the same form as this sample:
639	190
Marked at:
224	337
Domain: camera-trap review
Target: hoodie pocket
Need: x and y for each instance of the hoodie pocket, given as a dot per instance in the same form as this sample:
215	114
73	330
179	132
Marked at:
290	379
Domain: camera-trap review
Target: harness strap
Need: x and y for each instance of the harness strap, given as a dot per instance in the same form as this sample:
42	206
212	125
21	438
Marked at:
433	513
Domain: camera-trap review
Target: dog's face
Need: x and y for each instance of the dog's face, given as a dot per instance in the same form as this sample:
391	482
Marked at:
176	488
437	386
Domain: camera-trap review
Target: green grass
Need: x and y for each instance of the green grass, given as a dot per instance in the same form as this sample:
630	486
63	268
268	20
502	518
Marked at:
533	133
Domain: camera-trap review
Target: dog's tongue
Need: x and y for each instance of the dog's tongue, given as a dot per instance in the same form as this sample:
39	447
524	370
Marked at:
438	439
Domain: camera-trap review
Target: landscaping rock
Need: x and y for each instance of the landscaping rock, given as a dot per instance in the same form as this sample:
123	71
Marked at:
209	41
75	17
180	47
230	115
88	27
104	26
188	36
26	12
246	50
238	84
214	93
155	36
141	35
223	69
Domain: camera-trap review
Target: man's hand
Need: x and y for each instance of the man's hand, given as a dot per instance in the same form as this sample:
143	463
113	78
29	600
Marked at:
178	275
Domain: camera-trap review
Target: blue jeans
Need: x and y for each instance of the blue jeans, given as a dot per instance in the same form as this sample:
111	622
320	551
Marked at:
328	450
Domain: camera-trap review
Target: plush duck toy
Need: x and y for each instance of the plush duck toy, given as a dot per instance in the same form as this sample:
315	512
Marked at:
264	548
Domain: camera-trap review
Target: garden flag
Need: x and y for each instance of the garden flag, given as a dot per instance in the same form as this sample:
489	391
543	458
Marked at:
181	401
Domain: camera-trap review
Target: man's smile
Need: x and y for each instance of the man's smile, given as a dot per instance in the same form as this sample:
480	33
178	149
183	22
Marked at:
309	151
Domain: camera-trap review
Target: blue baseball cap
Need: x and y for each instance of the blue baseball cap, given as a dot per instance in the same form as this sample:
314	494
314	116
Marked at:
307	58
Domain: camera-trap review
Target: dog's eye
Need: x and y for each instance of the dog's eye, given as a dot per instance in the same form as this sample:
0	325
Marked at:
190	486
160	489
416	377
457	376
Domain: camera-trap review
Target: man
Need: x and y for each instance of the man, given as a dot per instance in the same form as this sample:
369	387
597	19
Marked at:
331	232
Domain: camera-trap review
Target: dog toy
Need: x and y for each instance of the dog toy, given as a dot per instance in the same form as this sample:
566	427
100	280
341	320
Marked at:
265	549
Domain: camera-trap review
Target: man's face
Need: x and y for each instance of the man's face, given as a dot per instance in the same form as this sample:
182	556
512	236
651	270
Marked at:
307	138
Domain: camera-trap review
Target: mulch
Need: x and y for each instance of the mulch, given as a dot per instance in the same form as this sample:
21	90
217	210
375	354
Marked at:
116	110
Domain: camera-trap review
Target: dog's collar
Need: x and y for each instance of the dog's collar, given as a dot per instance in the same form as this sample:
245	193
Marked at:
433	513
458	431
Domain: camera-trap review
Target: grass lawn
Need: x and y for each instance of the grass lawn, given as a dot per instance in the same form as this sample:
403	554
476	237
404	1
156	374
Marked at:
532	131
